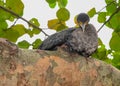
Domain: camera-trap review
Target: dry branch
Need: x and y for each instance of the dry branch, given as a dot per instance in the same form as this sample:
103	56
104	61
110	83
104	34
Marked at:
20	67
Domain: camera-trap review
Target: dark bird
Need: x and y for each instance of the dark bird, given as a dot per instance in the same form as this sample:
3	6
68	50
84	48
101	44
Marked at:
82	40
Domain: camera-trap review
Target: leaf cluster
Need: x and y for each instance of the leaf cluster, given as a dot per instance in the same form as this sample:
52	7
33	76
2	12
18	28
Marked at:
62	15
110	18
15	31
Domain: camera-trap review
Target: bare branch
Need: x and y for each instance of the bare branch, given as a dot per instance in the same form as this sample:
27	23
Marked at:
16	15
118	9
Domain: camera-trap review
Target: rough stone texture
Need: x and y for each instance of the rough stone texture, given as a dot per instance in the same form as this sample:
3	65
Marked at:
20	67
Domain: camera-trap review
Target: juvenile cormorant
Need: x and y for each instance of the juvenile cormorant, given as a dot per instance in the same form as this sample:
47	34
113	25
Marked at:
82	40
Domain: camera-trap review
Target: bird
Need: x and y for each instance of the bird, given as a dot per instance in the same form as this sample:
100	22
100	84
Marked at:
82	40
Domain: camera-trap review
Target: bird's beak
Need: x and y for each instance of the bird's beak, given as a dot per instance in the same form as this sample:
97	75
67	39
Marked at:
82	25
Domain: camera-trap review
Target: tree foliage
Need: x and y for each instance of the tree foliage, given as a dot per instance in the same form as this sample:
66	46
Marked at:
109	17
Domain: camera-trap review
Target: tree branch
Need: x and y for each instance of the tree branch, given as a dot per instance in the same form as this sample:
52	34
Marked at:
118	9
14	23
105	7
20	67
16	15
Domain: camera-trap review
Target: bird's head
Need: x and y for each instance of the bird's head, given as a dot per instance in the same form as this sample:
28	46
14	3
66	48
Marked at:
82	20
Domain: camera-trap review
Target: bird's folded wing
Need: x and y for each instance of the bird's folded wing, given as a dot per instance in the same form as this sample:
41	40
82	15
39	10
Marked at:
56	39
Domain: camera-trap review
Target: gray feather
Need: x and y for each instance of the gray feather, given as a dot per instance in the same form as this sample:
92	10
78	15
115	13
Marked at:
84	43
56	39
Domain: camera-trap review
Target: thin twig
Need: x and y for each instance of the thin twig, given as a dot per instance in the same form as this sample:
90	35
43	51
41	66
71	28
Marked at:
14	23
118	9
11	12
105	7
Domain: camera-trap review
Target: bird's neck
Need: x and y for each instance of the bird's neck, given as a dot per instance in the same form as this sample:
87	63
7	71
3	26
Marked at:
82	29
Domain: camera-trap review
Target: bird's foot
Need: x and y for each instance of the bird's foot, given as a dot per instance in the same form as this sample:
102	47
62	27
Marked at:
64	47
73	54
88	59
39	51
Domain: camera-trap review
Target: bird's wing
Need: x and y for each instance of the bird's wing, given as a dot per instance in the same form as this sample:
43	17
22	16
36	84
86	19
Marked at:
56	39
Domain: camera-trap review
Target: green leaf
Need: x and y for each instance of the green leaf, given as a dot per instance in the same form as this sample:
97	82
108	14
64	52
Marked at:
102	17
102	48
56	24
114	23
50	1
109	61
109	1
30	32
116	59
16	6
61	27
1	3
3	25
92	12
11	34
119	3
19	28
52	5
52	24
4	15
35	22
100	41
1	33
36	31
63	14
101	53
115	41
14	32
75	20
111	8
62	3
24	44
36	43
117	30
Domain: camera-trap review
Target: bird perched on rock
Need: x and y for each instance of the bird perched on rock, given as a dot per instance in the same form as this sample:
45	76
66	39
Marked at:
82	40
